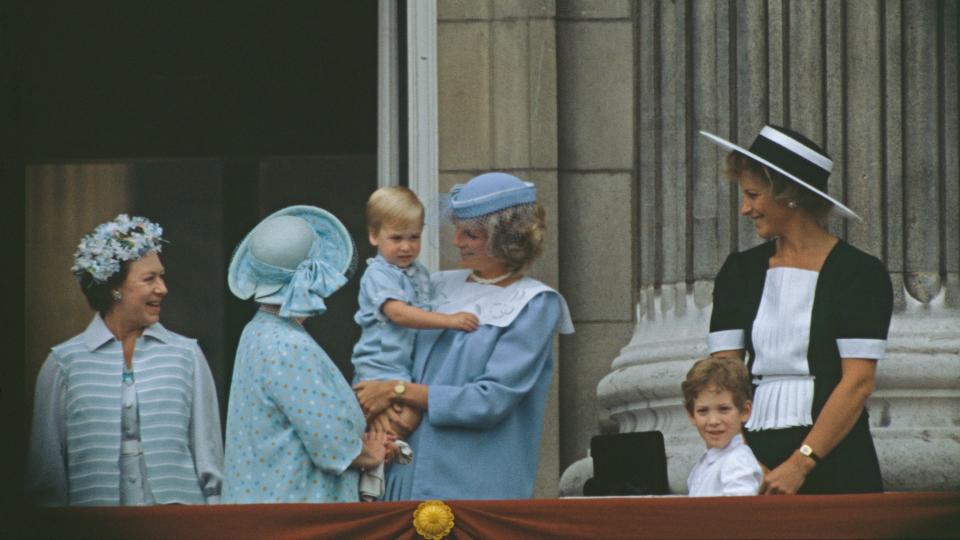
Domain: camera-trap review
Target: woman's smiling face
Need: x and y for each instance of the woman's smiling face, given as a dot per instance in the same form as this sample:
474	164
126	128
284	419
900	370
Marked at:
142	292
475	253
768	213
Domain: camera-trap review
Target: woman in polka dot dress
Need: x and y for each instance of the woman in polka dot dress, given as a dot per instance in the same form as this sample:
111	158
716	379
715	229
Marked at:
295	432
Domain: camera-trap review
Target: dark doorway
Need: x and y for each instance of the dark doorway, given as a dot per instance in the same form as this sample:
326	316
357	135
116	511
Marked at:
202	116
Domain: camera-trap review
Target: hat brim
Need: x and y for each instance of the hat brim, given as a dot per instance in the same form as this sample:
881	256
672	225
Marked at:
268	294
840	207
336	244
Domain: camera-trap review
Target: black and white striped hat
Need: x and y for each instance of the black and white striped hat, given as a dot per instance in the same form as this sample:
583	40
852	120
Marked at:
793	157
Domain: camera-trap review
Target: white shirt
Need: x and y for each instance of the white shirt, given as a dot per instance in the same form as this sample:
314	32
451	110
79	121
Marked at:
731	470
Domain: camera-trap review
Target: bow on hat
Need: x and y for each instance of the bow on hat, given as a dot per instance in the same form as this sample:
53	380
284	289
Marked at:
305	287
313	281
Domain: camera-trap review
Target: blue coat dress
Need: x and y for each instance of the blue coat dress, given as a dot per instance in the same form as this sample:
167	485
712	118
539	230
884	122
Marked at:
480	437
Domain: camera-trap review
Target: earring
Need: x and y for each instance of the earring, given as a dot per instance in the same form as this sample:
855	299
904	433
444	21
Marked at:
117	296
792	204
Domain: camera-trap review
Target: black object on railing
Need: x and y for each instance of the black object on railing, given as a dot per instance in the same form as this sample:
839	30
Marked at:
628	464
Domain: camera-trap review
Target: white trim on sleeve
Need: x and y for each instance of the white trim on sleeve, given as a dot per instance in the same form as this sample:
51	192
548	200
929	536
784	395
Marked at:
725	340
862	348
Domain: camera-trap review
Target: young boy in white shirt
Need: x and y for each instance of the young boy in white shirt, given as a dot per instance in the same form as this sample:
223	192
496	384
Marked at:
717	394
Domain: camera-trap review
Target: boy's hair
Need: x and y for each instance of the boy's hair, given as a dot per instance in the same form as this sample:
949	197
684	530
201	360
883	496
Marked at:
394	206
724	373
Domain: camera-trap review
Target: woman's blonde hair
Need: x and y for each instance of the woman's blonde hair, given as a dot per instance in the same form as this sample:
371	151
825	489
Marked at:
514	234
394	206
723	373
784	189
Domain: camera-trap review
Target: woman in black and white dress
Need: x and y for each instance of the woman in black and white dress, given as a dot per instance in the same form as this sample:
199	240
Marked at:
810	312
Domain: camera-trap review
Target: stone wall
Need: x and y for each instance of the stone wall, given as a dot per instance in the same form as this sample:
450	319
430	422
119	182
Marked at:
597	202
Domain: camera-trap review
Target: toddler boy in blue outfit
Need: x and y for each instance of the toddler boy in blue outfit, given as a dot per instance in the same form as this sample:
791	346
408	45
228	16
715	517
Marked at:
395	300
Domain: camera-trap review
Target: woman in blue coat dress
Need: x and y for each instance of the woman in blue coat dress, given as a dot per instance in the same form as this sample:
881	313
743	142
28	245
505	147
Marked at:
481	394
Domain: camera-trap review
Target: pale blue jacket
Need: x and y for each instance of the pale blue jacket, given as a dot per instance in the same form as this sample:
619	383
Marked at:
75	443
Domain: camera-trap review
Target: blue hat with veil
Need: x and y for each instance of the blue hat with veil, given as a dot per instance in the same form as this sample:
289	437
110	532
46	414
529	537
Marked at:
488	193
294	258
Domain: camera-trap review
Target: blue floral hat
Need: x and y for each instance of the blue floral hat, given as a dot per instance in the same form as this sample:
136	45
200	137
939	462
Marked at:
294	258
489	193
100	253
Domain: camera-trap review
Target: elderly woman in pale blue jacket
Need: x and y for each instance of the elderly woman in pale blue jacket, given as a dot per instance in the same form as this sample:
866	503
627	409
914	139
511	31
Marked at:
483	393
126	412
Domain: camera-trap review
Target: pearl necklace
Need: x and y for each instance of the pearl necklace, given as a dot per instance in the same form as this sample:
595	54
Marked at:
488	281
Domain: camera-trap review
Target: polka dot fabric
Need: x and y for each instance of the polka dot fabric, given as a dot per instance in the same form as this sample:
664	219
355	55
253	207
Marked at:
293	425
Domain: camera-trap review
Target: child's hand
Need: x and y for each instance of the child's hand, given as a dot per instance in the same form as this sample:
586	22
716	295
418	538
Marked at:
468	322
405	421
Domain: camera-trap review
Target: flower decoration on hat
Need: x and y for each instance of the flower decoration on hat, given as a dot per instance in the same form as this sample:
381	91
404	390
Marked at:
101	252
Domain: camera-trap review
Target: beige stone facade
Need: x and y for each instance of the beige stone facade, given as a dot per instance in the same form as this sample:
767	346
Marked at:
599	102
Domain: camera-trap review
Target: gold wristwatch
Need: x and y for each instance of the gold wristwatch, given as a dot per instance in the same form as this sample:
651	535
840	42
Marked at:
807	451
399	389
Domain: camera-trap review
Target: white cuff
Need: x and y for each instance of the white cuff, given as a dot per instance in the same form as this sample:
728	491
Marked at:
862	348
725	340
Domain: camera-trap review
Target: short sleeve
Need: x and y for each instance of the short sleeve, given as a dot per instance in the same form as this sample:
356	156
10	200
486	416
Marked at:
377	286
864	309
741	474
726	321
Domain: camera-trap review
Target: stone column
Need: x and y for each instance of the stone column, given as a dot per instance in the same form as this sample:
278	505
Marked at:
597	202
879	89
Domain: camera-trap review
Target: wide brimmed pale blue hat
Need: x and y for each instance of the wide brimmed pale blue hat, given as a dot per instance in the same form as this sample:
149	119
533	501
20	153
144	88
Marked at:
294	258
488	193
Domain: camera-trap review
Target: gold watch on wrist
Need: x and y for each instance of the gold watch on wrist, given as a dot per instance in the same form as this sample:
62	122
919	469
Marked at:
399	389
807	451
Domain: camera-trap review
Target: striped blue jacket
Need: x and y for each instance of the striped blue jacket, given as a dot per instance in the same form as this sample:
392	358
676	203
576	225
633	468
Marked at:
91	365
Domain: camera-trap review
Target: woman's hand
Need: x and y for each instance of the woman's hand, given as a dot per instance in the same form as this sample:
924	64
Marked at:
787	478
837	417
374	451
374	396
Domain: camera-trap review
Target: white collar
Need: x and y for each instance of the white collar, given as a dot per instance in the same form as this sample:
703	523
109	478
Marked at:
411	270
713	454
492	304
97	333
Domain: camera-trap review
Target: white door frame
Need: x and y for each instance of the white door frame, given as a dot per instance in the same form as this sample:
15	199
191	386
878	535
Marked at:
422	132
